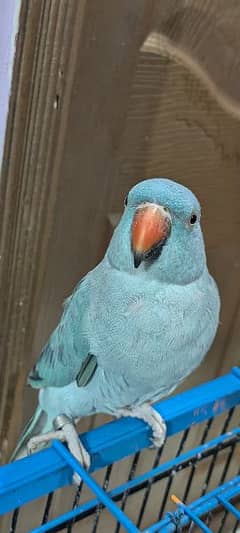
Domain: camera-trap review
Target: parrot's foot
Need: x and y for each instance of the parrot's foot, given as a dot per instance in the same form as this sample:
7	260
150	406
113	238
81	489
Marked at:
152	418
65	431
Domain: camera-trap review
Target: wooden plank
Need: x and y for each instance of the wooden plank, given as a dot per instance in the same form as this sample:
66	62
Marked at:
10	10
28	185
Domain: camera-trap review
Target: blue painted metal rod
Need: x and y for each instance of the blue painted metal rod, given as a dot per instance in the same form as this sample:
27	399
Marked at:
44	472
200	507
97	490
194	518
229	507
170	465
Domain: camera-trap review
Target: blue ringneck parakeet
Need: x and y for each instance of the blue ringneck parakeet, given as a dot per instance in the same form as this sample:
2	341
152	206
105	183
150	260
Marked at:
135	326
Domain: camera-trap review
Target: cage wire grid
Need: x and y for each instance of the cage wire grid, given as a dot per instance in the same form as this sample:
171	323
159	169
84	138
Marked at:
214	509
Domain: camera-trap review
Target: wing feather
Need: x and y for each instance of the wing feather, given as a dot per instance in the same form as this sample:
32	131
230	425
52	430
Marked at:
66	355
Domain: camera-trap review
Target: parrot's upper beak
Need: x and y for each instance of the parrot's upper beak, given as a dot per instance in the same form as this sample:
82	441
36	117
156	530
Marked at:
151	227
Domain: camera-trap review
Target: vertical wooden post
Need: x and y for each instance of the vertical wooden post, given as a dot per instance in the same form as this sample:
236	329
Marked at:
48	37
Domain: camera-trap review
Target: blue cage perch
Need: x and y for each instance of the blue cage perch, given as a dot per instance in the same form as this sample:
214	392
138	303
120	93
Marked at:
142	502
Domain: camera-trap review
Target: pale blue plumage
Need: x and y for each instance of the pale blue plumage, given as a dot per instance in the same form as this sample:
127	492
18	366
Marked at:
132	335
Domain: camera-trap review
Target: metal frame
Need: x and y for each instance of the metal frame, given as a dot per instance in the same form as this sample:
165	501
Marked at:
48	470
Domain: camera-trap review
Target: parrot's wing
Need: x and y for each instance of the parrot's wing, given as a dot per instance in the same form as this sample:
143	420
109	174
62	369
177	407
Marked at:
66	356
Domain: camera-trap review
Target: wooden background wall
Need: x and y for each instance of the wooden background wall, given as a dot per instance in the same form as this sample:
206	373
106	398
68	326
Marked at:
106	93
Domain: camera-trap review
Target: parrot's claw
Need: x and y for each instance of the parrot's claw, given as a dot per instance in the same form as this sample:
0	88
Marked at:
65	431
158	428
152	418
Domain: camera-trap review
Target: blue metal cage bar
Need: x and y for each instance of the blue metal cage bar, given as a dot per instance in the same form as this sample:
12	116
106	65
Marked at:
48	470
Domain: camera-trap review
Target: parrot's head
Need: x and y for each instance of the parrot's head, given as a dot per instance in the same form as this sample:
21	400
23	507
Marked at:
159	234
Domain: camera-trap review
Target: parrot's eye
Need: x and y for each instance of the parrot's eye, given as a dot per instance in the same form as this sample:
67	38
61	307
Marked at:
193	219
126	201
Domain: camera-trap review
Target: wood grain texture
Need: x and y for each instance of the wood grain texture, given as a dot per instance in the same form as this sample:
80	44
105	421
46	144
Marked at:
28	187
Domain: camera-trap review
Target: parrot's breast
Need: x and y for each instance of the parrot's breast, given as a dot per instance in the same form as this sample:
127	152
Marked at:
154	335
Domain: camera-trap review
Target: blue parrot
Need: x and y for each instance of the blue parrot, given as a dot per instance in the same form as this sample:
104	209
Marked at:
134	327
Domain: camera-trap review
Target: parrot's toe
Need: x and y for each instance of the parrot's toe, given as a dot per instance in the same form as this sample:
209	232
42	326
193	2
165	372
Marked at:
38	442
147	413
65	431
159	429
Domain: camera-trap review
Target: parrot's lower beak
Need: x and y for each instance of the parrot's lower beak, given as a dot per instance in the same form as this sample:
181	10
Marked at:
151	227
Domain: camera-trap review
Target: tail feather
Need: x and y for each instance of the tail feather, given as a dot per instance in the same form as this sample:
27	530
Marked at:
37	425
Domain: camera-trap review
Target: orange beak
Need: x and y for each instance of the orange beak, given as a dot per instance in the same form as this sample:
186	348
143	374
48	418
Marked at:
151	227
